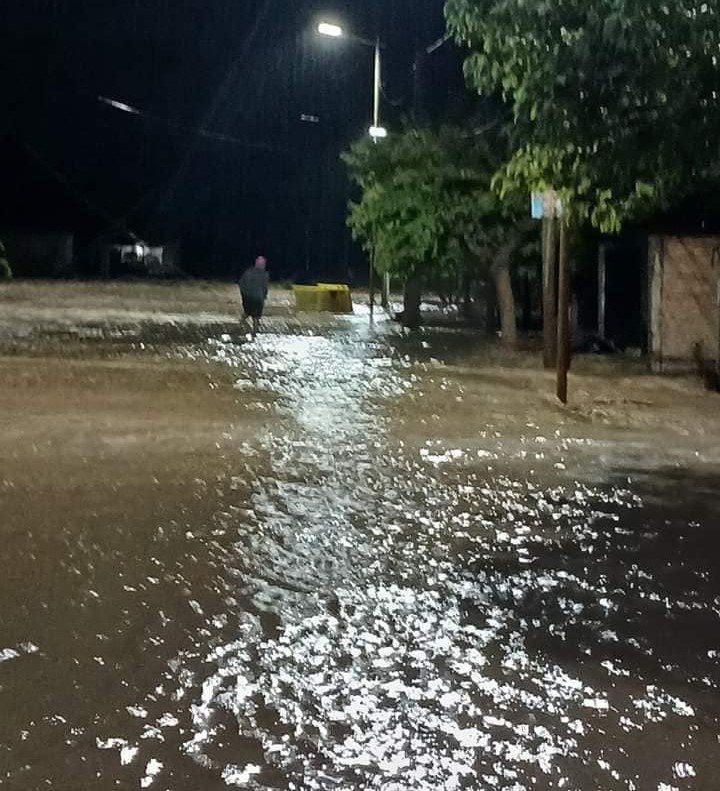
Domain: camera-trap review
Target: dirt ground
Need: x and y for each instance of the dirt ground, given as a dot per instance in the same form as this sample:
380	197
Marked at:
168	489
87	382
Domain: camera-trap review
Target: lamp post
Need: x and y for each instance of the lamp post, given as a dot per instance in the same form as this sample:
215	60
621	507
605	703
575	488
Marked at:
376	131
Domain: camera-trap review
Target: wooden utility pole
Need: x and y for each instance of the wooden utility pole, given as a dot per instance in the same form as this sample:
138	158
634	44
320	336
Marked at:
602	289
371	283
563	316
550	330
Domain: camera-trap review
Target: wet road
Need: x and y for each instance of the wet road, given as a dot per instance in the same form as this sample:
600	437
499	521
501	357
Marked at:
404	577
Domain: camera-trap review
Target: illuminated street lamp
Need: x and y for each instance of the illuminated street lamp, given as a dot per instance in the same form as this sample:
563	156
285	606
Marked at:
333	30
376	131
328	29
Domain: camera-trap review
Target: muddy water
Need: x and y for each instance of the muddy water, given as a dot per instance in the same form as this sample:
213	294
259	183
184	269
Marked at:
402	578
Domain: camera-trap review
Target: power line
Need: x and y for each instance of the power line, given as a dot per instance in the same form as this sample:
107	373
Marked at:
200	132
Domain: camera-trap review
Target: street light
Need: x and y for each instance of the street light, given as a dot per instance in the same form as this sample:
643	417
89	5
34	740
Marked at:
328	29
125	108
376	131
333	30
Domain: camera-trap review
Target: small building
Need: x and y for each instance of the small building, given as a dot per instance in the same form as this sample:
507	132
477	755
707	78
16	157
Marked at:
660	294
131	256
684	301
51	229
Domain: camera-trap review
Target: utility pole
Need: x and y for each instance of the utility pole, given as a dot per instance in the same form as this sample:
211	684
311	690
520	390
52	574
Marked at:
377	81
556	287
602	288
377	86
549	290
376	131
418	106
371	282
563	324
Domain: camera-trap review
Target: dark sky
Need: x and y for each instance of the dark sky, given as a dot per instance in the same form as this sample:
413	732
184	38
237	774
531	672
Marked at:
243	71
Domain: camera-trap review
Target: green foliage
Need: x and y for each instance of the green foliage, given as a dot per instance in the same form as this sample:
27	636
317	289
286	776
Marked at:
427	206
5	269
615	101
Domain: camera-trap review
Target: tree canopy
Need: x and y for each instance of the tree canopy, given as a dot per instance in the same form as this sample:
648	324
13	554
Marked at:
427	204
615	102
428	210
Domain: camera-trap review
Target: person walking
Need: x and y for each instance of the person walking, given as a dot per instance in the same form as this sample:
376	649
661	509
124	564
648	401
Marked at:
254	290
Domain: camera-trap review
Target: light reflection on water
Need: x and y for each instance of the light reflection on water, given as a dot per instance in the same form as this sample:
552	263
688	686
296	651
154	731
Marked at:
396	617
398	658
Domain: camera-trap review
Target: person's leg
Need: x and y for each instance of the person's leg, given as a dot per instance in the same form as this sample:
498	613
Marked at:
255	326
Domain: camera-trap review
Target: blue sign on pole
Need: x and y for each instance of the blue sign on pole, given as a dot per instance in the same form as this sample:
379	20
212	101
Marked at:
545	204
537	205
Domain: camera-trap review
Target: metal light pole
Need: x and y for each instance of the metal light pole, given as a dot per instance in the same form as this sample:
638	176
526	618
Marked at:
377	83
377	132
332	30
377	87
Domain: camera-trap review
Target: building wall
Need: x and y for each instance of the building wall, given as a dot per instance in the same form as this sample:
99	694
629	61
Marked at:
684	274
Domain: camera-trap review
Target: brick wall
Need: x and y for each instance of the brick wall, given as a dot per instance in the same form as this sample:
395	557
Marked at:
684	274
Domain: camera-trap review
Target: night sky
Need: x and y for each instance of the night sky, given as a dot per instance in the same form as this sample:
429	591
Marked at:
220	159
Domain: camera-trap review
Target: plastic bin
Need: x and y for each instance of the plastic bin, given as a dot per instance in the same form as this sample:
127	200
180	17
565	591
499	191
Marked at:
323	298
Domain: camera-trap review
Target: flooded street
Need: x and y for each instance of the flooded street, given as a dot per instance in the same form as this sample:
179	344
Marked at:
342	557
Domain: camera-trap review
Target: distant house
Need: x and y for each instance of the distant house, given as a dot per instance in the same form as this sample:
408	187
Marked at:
43	222
51	229
132	256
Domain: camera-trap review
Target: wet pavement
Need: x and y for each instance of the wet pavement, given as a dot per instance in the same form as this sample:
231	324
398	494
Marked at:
389	569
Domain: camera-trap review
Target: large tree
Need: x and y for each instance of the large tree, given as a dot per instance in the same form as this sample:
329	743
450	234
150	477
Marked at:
427	209
616	102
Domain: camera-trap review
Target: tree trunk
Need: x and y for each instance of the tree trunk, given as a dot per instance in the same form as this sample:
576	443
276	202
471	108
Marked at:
527	303
413	296
500	268
385	291
506	303
490	293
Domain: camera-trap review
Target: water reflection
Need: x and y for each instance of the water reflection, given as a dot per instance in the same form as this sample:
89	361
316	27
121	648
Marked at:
418	622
